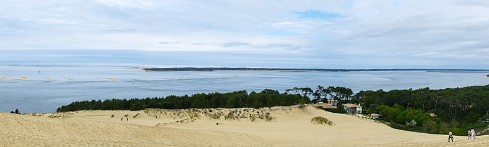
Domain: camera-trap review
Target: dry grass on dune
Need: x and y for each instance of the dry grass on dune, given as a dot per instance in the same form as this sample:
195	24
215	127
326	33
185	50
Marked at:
276	126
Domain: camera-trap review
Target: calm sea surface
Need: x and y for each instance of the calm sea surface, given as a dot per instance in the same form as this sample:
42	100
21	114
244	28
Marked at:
43	89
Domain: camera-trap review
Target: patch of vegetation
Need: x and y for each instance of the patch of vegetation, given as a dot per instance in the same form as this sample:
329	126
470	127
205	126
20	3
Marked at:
193	115
231	115
252	118
269	118
135	115
321	120
215	115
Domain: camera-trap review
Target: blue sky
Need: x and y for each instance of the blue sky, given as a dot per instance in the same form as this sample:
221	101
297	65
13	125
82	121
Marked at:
317	14
264	33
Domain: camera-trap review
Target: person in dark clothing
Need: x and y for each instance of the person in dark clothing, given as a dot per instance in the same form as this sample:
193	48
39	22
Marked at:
17	111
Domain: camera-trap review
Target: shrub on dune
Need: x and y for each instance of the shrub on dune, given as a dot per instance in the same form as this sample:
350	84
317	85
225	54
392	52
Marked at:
321	120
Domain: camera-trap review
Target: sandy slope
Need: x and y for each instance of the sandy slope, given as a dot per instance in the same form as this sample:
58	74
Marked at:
287	126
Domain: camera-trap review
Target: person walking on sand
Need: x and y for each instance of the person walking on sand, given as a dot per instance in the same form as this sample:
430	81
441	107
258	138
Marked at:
472	132
469	134
450	136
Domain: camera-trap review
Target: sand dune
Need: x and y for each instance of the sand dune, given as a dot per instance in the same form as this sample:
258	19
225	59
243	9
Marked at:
277	126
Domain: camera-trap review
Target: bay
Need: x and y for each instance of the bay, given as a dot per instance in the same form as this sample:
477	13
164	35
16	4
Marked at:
44	88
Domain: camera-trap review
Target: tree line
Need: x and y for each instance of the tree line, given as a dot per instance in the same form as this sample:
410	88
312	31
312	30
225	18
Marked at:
450	109
238	99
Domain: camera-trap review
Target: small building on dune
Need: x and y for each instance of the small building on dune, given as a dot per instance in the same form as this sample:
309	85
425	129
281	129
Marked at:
375	116
352	108
332	102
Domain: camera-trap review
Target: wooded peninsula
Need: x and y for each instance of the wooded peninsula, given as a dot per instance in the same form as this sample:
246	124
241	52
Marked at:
299	69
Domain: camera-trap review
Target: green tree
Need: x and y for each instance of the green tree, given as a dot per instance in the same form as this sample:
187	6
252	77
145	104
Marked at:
138	105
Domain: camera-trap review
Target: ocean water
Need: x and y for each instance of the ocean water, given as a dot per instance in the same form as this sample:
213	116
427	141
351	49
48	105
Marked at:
44	88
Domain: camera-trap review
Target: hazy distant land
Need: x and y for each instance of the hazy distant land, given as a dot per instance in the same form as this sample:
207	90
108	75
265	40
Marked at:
300	69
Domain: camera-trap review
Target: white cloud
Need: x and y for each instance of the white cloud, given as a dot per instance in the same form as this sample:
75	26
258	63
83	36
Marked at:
141	4
369	33
297	26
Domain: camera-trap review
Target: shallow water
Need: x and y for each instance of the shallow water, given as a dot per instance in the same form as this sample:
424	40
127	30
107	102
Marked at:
43	89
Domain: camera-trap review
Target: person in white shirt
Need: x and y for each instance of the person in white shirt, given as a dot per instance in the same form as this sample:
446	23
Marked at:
450	136
472	132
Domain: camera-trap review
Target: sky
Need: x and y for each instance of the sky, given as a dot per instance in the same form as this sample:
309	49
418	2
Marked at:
252	33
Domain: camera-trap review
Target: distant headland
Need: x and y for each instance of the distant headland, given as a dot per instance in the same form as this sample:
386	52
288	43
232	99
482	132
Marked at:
300	69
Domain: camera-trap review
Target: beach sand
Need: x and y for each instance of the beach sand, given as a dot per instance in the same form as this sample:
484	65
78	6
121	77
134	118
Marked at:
276	126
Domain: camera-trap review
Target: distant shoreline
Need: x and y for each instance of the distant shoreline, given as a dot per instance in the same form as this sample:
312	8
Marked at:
300	69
